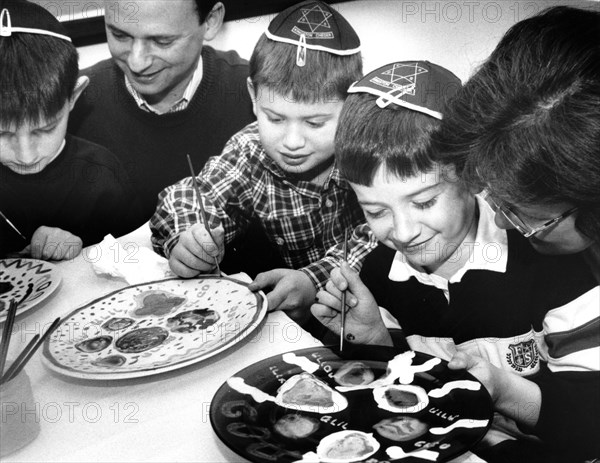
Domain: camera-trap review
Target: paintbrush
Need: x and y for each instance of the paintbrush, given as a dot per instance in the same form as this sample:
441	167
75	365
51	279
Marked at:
202	210
343	314
27	353
6	332
12	225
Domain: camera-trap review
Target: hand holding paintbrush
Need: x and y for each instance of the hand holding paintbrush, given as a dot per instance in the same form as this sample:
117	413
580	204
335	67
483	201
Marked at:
190	254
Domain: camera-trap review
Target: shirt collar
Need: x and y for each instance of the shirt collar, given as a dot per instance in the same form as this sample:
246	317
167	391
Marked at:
180	104
489	251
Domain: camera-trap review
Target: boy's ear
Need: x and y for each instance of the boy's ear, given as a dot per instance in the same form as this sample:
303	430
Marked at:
82	83
214	21
252	92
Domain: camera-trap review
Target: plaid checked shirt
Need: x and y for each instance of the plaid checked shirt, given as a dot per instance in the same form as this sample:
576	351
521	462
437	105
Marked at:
302	219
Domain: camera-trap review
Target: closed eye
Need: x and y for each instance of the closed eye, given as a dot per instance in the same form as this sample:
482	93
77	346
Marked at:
374	214
426	204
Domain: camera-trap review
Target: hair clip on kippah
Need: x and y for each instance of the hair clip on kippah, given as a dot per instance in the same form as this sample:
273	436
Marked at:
388	98
5	25
301	52
416	85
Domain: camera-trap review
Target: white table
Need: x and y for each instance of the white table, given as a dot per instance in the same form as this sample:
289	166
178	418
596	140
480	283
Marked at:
163	418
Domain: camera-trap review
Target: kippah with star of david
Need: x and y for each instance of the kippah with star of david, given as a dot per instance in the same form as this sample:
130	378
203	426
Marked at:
23	17
314	25
418	85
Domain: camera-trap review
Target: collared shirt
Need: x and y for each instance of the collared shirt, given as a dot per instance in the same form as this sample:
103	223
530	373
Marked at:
180	104
489	251
302	219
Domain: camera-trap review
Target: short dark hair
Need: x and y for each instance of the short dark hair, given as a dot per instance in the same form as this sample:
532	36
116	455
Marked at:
369	137
204	7
324	77
527	124
38	77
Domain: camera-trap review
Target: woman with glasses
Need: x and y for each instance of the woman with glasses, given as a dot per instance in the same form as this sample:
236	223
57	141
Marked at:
526	129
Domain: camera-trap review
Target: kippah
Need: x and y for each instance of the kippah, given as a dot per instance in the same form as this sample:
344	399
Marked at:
23	17
418	85
316	26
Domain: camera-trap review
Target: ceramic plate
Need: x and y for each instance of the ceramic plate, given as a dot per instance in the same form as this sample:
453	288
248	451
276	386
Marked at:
320	406
28	281
154	327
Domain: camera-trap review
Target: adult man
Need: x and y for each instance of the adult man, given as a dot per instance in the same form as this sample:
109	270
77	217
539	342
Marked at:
163	94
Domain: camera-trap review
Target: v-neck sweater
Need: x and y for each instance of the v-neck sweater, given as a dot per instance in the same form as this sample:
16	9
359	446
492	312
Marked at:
153	147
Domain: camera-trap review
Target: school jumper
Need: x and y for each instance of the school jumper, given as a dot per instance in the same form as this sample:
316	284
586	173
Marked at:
85	191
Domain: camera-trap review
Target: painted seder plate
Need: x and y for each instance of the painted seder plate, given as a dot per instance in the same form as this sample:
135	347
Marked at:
365	404
154	327
28	281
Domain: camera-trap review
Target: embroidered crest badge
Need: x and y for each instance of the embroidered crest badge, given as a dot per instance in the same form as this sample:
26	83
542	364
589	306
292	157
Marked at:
524	355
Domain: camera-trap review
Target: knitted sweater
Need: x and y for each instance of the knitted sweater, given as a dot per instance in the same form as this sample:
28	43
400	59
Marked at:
84	191
153	147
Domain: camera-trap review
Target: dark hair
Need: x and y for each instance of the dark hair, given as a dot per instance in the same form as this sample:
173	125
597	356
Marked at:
527	124
204	7
368	137
38	76
324	77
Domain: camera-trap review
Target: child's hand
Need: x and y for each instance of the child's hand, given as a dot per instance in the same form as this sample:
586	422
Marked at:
514	396
195	252
291	290
50	243
484	371
363	324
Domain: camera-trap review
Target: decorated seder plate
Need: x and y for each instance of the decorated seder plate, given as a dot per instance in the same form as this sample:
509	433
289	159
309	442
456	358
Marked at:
365	404
154	327
28	281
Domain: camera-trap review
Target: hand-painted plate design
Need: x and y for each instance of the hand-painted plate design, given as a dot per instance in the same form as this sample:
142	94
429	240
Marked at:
248	416
28	281
154	327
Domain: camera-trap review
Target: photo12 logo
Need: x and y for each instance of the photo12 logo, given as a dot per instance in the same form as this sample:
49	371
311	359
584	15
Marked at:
467	11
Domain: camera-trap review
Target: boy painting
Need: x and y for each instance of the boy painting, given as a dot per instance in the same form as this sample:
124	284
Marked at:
280	170
57	192
450	277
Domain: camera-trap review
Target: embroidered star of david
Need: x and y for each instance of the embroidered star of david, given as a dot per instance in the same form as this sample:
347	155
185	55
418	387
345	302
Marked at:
317	20
407	73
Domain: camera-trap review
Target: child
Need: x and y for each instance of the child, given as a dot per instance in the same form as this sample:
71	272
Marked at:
57	193
448	275
279	170
532	139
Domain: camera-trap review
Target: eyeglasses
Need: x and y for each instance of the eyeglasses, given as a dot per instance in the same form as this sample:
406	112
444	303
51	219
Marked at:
526	230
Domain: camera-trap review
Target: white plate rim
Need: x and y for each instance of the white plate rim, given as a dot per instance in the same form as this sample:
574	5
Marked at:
50	362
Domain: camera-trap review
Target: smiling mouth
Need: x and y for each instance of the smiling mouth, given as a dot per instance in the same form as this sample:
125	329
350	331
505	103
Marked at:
148	77
415	247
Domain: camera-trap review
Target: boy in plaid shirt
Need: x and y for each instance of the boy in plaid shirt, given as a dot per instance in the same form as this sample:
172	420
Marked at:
280	170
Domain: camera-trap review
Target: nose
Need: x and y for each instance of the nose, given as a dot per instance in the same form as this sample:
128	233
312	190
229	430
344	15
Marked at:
25	150
139	57
294	138
405	230
502	221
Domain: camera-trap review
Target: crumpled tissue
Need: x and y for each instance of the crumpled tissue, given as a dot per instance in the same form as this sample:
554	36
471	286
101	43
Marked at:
133	263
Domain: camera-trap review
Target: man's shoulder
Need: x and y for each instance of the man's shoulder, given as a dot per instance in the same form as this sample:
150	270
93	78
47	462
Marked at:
103	67
226	57
91	153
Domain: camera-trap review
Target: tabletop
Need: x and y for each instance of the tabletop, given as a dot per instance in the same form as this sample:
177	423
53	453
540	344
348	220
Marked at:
164	417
